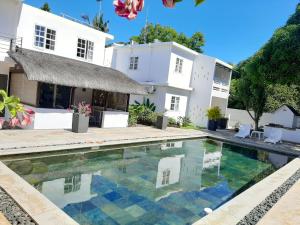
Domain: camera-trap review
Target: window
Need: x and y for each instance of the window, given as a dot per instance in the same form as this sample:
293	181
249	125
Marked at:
44	37
166	177
85	49
134	63
54	96
179	64
50	39
175	103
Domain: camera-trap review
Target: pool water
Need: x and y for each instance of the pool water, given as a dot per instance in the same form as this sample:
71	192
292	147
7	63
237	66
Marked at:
161	183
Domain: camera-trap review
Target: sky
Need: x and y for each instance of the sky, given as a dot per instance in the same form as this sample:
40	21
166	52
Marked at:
233	29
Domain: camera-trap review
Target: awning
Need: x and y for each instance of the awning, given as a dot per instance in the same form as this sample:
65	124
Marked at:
49	68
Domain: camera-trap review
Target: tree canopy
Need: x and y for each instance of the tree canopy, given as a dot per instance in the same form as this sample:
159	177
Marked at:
46	7
271	77
165	34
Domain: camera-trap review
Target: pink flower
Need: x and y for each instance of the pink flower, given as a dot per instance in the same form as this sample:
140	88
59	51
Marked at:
26	120
29	111
128	8
14	122
169	3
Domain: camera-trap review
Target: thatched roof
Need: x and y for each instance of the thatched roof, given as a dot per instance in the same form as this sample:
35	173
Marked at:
49	68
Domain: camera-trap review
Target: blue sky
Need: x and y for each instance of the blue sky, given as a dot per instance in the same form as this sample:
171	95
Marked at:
233	29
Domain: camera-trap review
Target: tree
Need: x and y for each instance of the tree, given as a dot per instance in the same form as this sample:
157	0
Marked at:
252	89
279	94
281	54
46	7
165	34
100	24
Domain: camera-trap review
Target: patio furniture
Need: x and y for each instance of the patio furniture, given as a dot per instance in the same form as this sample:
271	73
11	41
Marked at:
258	134
275	136
244	131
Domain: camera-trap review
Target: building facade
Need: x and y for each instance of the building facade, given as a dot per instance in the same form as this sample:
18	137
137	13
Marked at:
181	82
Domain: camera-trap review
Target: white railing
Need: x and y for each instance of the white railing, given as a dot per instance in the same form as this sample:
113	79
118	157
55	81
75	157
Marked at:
10	44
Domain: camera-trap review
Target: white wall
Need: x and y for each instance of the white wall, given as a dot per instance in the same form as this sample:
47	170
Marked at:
180	79
242	117
21	87
114	119
221	103
47	119
183	95
153	64
291	135
201	82
67	34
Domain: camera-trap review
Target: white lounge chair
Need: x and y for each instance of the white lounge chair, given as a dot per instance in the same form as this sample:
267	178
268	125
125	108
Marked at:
275	136
244	131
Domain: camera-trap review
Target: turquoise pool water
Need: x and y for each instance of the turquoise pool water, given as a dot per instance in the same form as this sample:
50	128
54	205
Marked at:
162	183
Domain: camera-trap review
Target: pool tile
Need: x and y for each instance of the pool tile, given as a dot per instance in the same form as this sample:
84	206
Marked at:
112	196
135	211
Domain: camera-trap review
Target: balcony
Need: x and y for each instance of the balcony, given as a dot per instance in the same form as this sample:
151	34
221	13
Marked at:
9	44
220	90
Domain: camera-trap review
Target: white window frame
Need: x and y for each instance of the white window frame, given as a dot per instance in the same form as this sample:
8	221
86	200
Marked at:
178	65
133	62
175	101
166	177
44	37
85	49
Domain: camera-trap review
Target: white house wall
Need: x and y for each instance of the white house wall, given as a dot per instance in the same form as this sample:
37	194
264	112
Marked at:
67	34
201	82
183	95
183	79
153	64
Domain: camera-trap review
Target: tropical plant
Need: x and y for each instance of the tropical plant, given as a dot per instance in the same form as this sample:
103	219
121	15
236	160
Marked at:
100	24
146	104
18	115
214	113
46	7
130	8
152	32
82	108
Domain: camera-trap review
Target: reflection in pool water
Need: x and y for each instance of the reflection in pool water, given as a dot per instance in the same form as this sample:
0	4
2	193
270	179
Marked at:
168	183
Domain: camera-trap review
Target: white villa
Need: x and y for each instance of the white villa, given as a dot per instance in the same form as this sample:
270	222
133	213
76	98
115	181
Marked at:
52	62
180	81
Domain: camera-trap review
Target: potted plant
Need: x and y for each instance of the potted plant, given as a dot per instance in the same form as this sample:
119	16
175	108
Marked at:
162	122
81	117
213	114
223	121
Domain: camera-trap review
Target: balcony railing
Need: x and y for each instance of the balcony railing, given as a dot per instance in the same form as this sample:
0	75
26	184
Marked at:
10	44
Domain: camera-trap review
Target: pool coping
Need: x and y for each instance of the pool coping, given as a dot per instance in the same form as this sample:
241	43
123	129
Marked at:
35	204
234	211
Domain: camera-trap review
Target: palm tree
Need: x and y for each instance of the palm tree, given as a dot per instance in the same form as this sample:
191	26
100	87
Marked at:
100	24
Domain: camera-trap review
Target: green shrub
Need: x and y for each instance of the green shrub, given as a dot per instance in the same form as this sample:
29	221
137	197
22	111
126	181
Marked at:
184	121
147	117
172	122
214	113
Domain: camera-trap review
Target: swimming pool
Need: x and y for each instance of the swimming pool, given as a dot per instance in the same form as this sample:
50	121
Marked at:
159	183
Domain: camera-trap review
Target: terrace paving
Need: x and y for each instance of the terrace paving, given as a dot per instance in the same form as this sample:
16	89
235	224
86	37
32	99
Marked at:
29	141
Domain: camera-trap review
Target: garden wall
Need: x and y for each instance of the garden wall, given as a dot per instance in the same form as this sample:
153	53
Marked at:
242	117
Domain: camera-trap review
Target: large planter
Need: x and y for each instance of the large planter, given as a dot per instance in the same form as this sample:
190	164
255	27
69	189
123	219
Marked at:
162	122
223	123
212	125
80	123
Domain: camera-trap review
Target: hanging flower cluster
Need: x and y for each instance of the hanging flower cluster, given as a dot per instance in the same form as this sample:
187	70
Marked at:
130	8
